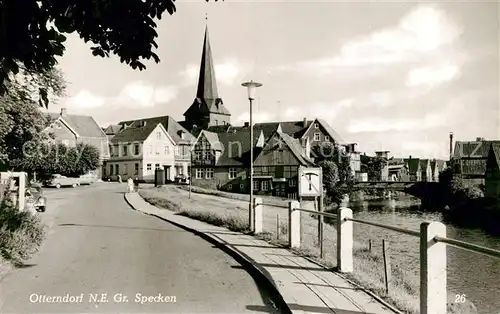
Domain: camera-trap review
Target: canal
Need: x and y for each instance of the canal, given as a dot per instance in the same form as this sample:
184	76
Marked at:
475	276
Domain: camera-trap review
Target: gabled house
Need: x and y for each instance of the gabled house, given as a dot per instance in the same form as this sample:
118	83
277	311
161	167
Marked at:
276	166
396	170
437	166
140	148
182	138
221	161
425	168
72	129
469	160
414	169
354	158
492	175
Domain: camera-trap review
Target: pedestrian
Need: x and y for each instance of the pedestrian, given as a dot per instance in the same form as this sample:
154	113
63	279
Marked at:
130	184
136	184
119	179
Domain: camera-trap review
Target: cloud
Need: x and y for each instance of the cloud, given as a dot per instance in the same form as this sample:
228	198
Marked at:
227	72
85	100
432	75
135	94
257	117
140	93
422	31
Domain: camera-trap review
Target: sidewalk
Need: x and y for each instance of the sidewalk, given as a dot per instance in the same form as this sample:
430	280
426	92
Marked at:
304	286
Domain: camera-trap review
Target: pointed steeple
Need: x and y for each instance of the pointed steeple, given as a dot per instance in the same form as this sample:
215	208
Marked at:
207	85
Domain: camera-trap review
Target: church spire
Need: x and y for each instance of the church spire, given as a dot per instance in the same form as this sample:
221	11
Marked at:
207	85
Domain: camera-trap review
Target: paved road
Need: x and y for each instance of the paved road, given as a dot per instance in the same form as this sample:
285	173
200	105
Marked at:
98	245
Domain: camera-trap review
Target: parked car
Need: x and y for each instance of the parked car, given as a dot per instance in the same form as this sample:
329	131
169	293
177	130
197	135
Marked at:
85	179
58	181
35	199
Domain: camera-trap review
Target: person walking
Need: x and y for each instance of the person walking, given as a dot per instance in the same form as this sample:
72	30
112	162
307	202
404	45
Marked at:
130	184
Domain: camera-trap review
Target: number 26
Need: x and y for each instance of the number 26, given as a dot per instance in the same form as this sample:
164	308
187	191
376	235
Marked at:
460	298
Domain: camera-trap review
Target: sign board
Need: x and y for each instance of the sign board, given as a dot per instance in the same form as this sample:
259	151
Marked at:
310	182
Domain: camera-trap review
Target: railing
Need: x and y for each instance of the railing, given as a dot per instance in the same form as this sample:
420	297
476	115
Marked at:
433	241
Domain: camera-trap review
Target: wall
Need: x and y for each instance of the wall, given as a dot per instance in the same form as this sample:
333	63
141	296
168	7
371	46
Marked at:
219	119
323	133
220	179
61	133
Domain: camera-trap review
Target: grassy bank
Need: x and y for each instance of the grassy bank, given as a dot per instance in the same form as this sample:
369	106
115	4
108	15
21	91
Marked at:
21	234
231	211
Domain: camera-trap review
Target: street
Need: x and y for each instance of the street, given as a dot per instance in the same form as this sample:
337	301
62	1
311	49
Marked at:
101	256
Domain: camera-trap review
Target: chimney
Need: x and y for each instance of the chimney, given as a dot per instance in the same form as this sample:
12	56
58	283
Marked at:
304	122
63	111
451	144
247	124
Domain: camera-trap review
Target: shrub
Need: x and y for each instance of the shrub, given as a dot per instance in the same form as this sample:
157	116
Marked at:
21	233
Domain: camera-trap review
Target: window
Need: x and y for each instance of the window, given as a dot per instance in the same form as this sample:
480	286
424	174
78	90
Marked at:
117	169
176	150
280	156
157	151
199	173
158	135
265	185
136	171
125	150
216	122
157	166
232	173
316	125
110	170
209	173
293	182
197	155
255	185
242	187
265	170
167	150
148	167
317	137
230	187
136	149
111	150
327	138
125	169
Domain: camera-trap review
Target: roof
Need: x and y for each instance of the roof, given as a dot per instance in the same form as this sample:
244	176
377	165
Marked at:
396	161
440	163
173	128
112	129
472	149
242	157
136	132
334	135
213	139
494	151
296	148
424	163
395	167
84	126
413	164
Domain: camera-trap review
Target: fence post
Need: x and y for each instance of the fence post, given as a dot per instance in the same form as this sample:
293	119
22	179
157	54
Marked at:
258	214
433	296
344	240
293	224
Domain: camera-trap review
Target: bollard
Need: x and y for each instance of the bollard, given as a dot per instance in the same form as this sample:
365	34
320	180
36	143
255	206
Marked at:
344	240
433	296
293	224
258	215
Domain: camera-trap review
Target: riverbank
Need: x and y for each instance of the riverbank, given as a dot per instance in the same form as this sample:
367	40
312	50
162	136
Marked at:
231	210
482	213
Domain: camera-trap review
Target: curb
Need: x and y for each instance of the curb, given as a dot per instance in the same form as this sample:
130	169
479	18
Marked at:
255	271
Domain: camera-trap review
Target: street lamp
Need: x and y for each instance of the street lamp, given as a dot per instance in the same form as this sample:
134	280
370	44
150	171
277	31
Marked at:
251	89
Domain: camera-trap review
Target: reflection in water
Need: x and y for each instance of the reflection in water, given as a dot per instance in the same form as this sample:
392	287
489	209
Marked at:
475	275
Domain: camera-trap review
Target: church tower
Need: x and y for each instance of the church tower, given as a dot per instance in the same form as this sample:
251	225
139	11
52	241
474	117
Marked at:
207	108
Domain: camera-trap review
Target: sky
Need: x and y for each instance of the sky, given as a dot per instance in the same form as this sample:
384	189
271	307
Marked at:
394	76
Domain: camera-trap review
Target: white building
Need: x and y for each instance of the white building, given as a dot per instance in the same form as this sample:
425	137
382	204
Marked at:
139	149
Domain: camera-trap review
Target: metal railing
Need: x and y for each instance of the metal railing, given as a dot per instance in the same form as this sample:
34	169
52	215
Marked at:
433	241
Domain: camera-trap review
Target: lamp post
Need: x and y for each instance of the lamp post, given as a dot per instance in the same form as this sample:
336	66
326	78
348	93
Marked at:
251	89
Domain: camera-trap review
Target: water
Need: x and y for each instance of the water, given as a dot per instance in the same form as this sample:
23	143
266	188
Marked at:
474	275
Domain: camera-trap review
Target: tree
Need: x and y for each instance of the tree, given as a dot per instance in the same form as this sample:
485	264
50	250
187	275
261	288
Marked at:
33	31
21	120
373	167
337	175
56	158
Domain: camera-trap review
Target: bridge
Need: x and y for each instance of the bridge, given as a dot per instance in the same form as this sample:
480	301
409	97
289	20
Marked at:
384	185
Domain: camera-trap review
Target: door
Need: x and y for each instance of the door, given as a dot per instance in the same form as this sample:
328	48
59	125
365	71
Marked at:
167	173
